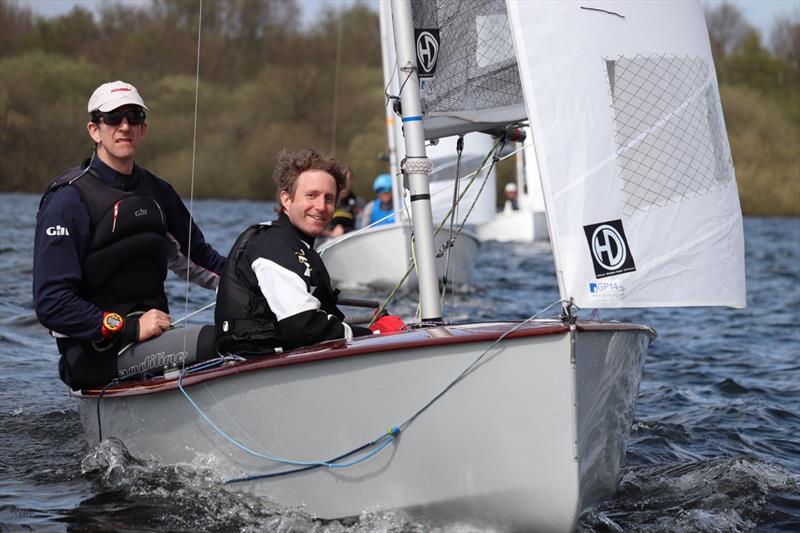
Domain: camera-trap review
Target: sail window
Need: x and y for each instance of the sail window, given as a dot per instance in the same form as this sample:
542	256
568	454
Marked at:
477	68
669	131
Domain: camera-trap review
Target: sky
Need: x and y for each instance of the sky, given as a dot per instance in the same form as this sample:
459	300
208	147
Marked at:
759	13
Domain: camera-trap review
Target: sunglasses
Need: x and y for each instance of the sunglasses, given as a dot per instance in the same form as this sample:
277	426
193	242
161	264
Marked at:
114	118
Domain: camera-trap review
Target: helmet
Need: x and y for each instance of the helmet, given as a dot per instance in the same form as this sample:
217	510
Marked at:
382	183
511	187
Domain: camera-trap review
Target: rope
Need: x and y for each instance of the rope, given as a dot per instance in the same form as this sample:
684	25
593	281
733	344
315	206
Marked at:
472	176
377	444
330	464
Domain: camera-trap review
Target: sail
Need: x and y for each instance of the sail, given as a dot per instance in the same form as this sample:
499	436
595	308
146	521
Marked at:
466	65
443	154
641	196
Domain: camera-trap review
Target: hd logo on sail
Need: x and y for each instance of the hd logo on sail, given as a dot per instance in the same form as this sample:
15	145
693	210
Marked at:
609	248
427	46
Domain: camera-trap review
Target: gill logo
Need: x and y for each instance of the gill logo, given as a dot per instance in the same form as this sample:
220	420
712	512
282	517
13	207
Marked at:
301	256
140	212
57	231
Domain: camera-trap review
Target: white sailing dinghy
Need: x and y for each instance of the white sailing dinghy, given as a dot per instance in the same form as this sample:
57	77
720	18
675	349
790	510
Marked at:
512	425
528	223
380	256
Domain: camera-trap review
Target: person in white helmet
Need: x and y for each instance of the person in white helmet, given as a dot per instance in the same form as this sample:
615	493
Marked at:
512	201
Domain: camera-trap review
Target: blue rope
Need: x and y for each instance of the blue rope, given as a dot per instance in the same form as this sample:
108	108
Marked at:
381	442
387	438
330	464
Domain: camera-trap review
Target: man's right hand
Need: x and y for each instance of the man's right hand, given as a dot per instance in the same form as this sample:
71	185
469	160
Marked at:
152	324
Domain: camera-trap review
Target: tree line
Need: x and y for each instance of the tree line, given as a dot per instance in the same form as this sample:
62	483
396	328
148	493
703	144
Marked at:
265	83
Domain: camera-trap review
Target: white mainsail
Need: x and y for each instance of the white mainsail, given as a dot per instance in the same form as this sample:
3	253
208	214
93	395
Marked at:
642	203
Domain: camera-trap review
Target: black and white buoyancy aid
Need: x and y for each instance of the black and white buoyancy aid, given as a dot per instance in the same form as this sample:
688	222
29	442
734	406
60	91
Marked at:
243	321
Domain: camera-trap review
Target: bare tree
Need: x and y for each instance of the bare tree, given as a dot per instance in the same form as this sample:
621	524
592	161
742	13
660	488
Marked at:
727	28
785	40
15	21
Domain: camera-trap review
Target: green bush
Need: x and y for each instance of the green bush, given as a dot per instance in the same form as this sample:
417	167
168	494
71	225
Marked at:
766	153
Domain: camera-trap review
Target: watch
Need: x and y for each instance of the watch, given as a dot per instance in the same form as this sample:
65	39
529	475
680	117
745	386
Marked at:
112	324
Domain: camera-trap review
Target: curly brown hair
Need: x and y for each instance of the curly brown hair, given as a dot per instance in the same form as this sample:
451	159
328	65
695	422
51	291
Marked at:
292	164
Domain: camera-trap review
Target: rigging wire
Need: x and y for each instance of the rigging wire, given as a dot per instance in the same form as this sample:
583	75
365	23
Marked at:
453	215
336	84
473	176
191	186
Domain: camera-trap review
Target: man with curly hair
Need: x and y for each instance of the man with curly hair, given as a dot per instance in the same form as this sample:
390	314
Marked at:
275	291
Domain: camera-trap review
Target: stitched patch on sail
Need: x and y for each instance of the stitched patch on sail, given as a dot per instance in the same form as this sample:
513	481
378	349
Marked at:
670	135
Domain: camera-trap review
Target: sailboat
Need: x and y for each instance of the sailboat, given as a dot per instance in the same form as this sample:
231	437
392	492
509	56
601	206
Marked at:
516	425
527	223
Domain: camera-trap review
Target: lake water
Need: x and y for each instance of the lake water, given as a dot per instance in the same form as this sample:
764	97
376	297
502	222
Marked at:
715	445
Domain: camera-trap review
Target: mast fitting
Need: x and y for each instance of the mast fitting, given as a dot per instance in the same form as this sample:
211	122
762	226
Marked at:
416	165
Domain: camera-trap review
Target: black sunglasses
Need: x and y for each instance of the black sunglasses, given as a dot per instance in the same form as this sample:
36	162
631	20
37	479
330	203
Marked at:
114	118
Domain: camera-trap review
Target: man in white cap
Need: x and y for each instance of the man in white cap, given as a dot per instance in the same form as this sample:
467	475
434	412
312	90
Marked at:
106	231
512	203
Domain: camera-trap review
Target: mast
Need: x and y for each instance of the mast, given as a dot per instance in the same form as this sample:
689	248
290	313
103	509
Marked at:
387	57
417	166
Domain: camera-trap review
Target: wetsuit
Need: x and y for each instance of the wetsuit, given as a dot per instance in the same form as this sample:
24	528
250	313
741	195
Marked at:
275	292
103	243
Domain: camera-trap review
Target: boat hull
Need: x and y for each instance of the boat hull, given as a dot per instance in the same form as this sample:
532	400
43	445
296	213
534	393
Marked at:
514	226
532	436
379	257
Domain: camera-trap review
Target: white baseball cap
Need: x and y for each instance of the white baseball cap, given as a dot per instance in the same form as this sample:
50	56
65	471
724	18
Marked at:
511	187
110	96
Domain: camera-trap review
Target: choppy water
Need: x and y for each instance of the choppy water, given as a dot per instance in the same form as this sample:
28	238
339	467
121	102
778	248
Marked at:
715	445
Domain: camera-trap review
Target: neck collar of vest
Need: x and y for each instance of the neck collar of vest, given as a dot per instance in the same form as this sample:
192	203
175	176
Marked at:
111	177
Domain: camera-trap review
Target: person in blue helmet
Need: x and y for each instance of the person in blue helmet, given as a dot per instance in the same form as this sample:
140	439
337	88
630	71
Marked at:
380	211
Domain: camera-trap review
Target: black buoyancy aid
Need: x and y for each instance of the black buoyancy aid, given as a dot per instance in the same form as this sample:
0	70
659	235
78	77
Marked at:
126	264
244	324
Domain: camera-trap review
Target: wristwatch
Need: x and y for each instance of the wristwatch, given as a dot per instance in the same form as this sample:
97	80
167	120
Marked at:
112	324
